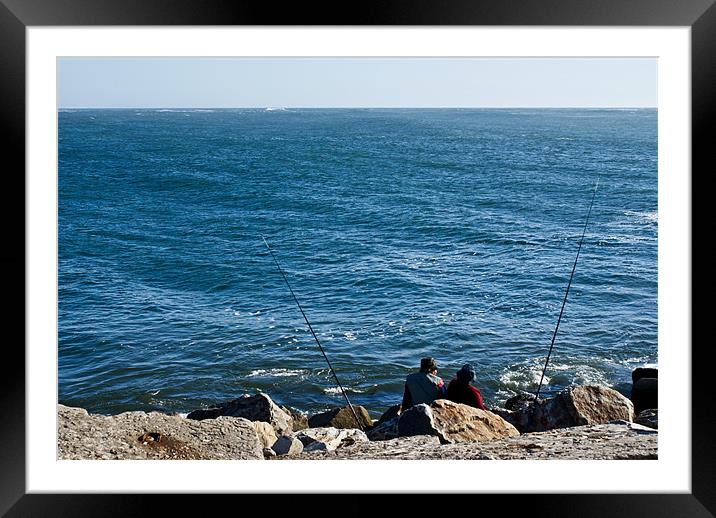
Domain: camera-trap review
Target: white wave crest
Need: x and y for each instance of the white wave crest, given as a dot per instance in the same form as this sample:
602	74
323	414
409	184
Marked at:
275	373
644	217
523	378
337	390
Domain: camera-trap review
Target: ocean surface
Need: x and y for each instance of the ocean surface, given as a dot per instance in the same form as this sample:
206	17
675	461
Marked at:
404	233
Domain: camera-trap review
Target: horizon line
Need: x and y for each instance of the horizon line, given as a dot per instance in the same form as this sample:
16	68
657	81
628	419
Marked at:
279	108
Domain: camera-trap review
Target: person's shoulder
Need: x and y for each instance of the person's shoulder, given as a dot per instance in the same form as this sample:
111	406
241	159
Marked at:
434	378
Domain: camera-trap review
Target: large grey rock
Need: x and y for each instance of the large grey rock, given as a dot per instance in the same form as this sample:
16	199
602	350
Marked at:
417	420
329	439
576	406
258	407
454	422
287	445
403	448
266	433
341	418
153	435
620	440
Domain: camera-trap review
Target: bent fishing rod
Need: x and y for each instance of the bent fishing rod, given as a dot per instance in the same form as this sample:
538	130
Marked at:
569	284
355	416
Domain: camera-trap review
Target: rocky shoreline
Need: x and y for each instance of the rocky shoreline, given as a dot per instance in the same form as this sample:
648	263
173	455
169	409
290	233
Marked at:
579	423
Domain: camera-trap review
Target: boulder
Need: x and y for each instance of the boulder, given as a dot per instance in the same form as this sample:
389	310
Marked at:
287	445
575	406
341	418
463	423
300	420
519	401
154	436
389	415
644	372
417	420
648	418
520	419
266	433
645	394
454	422
258	407
384	431
329	439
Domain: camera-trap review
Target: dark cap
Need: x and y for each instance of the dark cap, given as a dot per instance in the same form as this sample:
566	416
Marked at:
466	374
428	364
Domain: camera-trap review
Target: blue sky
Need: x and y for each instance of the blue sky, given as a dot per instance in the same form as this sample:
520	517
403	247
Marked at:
356	82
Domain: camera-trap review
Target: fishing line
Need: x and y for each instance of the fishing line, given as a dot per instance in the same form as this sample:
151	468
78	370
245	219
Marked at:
313	333
564	302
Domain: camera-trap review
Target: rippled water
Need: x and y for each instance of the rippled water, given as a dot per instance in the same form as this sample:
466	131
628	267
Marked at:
404	233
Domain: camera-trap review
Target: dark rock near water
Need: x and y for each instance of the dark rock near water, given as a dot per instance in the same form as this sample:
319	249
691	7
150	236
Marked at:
389	414
519	401
204	413
259	407
645	394
644	372
384	431
386	427
300	420
341	418
576	406
648	418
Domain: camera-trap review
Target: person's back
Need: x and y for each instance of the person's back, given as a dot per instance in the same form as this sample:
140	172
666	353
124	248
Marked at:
460	391
424	386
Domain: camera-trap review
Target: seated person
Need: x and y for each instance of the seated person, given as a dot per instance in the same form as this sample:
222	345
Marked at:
460	391
424	386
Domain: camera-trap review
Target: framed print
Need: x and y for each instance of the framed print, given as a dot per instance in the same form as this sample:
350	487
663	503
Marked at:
332	169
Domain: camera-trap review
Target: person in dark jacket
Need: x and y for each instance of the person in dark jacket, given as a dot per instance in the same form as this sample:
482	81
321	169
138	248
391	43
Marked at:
424	386
460	391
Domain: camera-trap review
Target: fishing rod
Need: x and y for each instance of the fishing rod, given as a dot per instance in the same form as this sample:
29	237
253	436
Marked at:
313	333
564	302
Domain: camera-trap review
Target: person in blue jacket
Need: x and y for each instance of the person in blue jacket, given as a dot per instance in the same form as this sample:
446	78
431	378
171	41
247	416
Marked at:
424	386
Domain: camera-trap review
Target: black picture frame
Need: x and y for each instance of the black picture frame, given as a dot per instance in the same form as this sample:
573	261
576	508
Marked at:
17	15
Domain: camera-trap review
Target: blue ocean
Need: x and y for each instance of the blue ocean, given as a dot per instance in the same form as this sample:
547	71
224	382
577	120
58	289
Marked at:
404	233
